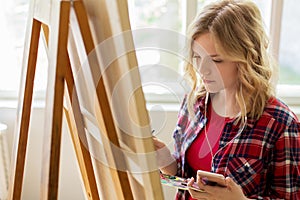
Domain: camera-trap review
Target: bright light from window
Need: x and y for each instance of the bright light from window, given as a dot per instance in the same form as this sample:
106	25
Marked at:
148	57
164	14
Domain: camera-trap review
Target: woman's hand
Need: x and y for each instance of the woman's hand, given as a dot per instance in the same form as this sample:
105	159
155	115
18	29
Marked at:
231	192
158	144
165	161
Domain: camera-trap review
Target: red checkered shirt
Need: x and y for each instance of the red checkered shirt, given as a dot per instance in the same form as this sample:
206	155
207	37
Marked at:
264	159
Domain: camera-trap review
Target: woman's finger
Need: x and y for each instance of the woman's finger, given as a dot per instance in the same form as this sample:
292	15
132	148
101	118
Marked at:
195	193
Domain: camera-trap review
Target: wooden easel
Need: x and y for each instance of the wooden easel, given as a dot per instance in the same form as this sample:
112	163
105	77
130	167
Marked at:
54	18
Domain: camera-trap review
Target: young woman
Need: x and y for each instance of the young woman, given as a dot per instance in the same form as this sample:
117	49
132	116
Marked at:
231	123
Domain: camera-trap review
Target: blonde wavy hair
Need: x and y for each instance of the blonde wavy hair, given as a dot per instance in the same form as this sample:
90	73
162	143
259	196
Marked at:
238	30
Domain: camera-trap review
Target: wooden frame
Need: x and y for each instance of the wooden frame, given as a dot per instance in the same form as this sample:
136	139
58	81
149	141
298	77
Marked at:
71	29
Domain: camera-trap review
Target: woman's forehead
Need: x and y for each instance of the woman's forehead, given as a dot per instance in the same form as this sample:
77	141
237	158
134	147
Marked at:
204	45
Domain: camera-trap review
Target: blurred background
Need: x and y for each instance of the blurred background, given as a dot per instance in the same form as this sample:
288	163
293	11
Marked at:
163	91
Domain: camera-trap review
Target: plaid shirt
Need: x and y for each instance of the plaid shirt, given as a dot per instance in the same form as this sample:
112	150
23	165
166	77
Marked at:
264	159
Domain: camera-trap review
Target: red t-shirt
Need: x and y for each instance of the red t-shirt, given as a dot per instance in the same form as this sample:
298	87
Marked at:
198	155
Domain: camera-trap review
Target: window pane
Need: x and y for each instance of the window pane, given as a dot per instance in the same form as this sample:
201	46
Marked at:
13	16
290	44
265	10
156	51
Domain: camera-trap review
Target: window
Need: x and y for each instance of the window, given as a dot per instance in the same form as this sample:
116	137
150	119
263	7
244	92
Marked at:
13	19
157	30
290	44
13	16
161	23
173	14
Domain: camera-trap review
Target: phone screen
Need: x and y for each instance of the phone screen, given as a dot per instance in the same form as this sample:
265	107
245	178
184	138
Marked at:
212	179
211	183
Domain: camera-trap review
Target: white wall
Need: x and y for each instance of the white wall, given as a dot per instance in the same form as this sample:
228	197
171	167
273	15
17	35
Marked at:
70	182
70	186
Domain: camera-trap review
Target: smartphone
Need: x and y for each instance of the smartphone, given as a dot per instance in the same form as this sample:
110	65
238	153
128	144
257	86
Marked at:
178	182
213	179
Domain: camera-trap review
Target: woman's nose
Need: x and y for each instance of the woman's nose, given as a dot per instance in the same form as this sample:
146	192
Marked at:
204	68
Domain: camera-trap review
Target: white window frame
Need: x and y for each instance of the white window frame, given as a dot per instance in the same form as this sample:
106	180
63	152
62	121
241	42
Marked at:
290	94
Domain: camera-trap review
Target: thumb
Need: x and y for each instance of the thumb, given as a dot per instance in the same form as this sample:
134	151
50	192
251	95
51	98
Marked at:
236	189
231	184
158	143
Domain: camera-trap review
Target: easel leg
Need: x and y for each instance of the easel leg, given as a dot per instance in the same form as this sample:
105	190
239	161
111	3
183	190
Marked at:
76	127
78	135
24	109
54	102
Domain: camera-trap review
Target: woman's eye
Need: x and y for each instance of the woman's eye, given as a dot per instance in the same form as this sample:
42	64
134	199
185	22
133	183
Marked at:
218	61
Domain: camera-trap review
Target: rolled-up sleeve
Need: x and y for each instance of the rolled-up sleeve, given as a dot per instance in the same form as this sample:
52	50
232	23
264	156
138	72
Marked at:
178	133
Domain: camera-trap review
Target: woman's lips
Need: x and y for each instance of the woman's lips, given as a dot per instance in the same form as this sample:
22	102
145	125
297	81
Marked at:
207	81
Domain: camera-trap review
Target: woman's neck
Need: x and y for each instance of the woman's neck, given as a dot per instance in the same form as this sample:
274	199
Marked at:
224	104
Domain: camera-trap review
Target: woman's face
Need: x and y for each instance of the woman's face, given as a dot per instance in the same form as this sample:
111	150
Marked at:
216	72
